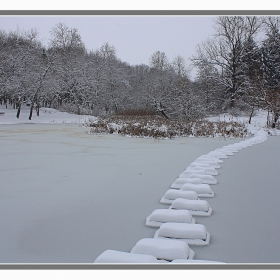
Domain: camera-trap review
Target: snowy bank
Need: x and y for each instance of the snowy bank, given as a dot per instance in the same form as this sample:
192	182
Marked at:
46	115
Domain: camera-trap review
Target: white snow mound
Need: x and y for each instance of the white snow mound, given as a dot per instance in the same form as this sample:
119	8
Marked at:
171	195
207	170
181	181
160	216
194	261
193	171
202	190
192	234
196	207
225	151
203	163
165	249
217	154
112	256
209	158
205	179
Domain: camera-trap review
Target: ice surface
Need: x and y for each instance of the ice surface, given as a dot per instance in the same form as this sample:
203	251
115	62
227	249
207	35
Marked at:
113	256
196	207
160	216
193	234
166	249
59	185
41	207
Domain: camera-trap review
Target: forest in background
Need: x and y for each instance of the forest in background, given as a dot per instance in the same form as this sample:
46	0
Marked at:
238	71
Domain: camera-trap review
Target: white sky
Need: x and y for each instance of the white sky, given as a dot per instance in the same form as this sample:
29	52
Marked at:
135	38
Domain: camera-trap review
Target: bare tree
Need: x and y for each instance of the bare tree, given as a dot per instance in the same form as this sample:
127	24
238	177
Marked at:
271	68
225	52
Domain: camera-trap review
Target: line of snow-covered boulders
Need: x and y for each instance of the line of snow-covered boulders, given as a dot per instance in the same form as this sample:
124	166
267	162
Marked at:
177	229
160	128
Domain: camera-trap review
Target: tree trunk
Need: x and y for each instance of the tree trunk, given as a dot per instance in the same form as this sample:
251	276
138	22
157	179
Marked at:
38	109
267	118
251	114
31	111
232	102
275	119
163	113
18	111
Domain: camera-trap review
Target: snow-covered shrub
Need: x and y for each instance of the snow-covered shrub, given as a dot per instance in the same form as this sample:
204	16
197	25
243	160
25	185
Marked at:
159	128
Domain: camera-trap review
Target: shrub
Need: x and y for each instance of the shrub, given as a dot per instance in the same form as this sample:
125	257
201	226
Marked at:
159	128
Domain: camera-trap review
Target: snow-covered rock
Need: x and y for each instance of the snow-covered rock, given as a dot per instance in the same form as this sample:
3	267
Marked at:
166	249
171	195
192	234
208	170
193	170
113	256
204	179
196	207
203	162
181	181
209	158
160	216
217	154
202	190
234	147
225	151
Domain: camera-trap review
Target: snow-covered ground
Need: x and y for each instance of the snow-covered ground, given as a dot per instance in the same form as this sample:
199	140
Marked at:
67	196
46	115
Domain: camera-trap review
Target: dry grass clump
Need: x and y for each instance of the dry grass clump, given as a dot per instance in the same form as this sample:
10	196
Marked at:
160	128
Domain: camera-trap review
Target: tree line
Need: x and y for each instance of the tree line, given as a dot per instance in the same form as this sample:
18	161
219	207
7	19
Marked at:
237	71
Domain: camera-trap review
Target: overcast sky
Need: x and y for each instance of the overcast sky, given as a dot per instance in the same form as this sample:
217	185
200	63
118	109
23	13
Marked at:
134	37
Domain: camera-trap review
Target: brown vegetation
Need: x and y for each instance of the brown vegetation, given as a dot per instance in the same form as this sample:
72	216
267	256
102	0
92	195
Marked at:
157	127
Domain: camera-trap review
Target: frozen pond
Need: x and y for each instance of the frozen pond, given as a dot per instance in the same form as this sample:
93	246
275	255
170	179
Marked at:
67	196
245	222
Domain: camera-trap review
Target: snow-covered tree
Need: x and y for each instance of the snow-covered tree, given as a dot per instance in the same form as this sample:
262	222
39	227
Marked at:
70	63
270	55
225	52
